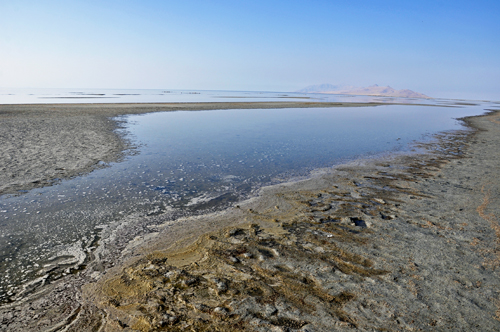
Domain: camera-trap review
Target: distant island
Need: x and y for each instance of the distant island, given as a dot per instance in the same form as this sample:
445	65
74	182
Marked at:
373	90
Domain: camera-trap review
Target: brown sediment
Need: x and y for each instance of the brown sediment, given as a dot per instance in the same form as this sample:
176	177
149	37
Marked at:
392	244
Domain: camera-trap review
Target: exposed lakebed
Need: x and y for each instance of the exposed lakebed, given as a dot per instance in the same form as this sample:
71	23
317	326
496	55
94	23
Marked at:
196	161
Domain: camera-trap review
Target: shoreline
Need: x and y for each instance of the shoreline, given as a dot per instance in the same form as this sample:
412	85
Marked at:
97	307
312	254
45	143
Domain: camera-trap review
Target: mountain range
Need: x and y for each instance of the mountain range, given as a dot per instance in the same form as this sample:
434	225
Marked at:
373	90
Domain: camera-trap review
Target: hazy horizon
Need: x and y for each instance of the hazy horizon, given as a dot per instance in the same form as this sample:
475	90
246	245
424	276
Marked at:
441	49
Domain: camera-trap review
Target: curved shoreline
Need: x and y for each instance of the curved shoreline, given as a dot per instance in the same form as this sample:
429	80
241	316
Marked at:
397	243
44	143
346	183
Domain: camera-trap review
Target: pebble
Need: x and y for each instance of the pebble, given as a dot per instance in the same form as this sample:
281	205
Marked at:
236	241
221	311
269	310
233	232
345	220
319	250
234	259
355	195
221	286
201	307
189	282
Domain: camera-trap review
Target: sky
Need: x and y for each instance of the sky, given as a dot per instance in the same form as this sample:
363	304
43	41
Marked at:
448	49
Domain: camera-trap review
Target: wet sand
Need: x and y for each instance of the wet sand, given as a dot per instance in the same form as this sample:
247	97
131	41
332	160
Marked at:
403	243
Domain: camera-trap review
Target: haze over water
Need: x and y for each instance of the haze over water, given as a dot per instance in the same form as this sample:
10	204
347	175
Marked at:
104	96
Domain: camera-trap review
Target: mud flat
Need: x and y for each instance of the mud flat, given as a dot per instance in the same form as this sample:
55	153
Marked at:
404	243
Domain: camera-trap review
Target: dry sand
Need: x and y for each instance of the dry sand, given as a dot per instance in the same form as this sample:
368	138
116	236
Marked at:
404	243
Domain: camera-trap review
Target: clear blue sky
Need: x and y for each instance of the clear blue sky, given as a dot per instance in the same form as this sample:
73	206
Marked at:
440	48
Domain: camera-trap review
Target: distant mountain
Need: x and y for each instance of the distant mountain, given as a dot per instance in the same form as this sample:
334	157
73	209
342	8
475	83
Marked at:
374	90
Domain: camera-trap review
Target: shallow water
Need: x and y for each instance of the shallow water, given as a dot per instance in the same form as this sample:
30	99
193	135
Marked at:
192	161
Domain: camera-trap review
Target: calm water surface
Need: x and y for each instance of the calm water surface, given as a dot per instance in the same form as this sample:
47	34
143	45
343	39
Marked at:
191	161
103	96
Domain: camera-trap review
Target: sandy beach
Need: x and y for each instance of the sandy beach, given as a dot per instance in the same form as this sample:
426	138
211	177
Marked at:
402	243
